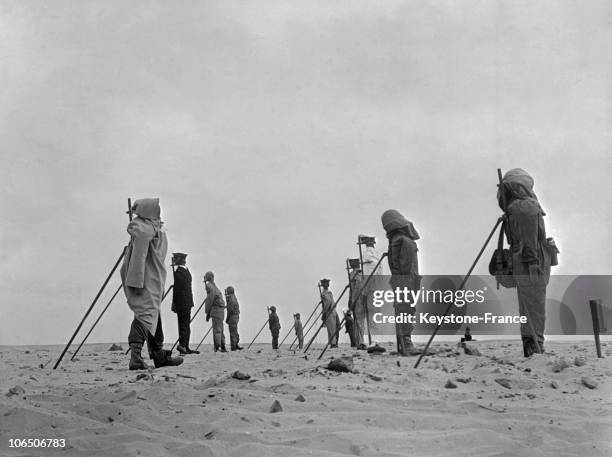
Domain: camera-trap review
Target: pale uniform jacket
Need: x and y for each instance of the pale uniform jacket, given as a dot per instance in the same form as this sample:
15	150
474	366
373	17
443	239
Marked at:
143	267
370	259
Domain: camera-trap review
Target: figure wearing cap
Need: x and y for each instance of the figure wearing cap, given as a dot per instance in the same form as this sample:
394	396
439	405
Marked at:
143	275
233	316
299	329
274	324
404	266
215	309
329	315
182	301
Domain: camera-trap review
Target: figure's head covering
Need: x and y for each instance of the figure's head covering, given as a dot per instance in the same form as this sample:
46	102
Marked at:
324	282
209	276
273	308
368	240
147	208
518	184
394	220
229	290
297	315
178	258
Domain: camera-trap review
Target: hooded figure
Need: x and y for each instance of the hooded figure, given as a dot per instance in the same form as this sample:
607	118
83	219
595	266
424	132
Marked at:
329	316
143	276
404	265
215	308
275	326
233	315
531	253
299	330
182	301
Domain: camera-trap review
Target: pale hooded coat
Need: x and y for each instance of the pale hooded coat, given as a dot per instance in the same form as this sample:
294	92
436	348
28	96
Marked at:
143	265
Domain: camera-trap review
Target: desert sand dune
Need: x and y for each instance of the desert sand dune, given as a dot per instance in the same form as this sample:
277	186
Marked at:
501	404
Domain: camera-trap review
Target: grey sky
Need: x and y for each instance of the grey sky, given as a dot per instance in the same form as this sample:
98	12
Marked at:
274	132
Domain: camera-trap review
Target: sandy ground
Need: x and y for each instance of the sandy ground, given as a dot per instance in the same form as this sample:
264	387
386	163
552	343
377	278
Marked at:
384	408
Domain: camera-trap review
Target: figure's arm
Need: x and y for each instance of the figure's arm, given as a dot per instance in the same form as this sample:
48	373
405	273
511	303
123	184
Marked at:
140	248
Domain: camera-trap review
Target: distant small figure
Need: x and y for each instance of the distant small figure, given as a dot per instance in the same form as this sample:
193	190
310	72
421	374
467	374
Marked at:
299	330
275	326
467	336
349	325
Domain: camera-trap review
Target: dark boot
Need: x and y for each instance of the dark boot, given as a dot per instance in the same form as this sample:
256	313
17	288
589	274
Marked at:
191	351
239	348
163	358
223	348
136	361
182	350
529	347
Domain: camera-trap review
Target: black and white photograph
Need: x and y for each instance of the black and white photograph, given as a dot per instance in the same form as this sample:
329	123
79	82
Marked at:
306	228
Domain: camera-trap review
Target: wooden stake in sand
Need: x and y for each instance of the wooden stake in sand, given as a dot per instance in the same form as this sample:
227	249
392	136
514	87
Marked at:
203	338
261	329
90	308
595	306
96	322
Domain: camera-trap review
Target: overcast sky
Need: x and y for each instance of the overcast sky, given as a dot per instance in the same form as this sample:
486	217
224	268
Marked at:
274	132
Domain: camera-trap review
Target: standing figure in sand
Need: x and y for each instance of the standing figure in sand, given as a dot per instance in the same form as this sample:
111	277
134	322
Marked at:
329	316
182	301
357	304
532	253
143	276
349	326
233	316
404	266
275	326
299	330
215	308
370	260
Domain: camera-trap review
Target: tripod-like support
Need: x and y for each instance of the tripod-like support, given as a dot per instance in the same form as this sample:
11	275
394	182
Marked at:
203	338
129	212
90	308
261	329
307	320
461	286
96	322
363	286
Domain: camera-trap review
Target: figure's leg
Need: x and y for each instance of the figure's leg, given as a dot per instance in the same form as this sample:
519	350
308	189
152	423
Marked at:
136	339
